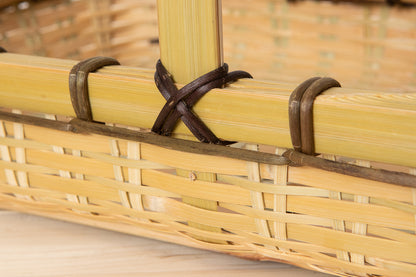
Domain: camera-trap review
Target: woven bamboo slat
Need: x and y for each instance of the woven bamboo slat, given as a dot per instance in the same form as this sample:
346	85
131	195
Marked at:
388	243
252	199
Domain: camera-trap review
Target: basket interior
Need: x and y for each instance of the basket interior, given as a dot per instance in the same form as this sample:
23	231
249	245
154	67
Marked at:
363	45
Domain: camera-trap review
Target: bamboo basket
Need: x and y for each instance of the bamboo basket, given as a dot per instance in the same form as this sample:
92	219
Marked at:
351	211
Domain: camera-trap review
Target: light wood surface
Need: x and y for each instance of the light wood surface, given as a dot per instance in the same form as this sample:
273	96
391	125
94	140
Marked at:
36	246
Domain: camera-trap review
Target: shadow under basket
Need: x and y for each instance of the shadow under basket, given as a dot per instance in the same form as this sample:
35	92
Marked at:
334	213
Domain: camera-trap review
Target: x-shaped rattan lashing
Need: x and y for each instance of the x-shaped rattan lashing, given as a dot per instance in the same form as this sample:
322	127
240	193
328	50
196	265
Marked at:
180	102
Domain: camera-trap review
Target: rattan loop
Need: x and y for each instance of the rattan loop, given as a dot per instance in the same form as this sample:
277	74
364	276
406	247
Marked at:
180	102
294	112
78	84
301	112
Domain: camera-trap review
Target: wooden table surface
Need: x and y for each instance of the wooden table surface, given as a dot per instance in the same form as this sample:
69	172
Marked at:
35	246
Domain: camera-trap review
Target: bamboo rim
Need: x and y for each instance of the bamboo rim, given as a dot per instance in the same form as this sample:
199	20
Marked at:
289	157
368	125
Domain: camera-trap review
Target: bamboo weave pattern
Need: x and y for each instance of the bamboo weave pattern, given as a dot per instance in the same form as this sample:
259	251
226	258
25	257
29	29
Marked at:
298	215
316	219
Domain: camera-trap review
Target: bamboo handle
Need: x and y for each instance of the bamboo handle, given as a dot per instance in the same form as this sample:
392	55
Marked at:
190	37
190	46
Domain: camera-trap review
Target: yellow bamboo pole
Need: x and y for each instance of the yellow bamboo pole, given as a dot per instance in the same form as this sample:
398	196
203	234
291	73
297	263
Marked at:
190	46
190	37
367	125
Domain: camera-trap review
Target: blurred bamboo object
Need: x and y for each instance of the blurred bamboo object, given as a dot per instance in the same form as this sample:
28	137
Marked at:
356	42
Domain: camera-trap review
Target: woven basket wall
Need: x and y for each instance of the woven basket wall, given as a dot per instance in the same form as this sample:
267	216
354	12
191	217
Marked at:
313	218
364	45
298	215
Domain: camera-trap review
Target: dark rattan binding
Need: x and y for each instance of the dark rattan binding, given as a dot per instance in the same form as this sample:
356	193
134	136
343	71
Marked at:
78	84
301	112
180	102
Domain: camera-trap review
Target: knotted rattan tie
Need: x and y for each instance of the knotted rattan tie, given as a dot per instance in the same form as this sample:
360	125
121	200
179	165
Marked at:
78	84
301	112
179	102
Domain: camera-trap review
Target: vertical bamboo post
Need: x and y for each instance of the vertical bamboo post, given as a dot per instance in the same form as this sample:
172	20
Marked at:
190	38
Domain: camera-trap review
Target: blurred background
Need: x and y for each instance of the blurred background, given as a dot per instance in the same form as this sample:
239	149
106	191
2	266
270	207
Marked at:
368	45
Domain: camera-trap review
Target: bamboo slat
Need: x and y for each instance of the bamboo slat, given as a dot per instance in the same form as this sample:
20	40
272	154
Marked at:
309	205
190	37
256	110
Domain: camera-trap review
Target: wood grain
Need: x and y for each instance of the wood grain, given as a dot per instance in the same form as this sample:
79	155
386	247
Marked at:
35	246
190	37
368	125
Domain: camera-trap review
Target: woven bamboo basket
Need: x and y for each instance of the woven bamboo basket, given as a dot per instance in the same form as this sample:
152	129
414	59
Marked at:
349	211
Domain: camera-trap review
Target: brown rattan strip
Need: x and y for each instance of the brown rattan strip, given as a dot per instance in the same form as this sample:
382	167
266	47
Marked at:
180	102
289	157
78	84
380	175
178	144
301	112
